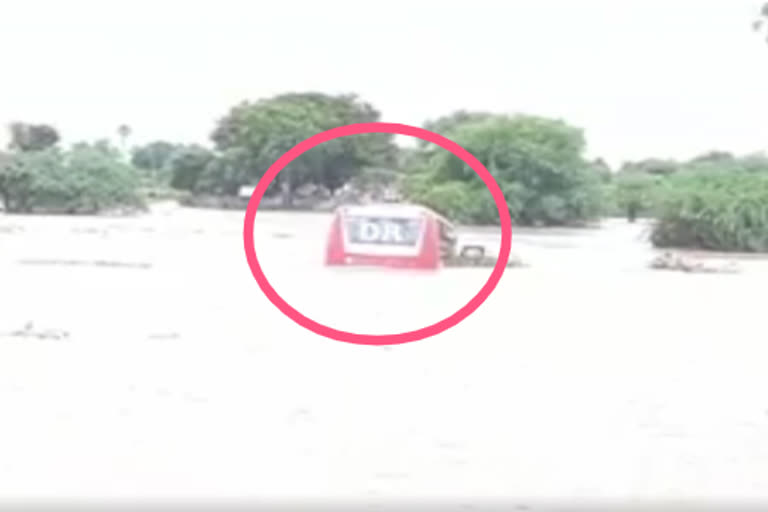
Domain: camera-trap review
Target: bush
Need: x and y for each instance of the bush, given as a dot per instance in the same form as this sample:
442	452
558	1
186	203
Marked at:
635	193
187	165
225	173
538	164
450	199
724	211
464	202
610	202
87	179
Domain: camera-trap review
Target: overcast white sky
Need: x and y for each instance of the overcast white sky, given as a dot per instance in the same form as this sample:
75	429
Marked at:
667	78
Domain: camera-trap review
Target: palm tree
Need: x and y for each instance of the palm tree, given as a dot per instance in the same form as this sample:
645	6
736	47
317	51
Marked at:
124	131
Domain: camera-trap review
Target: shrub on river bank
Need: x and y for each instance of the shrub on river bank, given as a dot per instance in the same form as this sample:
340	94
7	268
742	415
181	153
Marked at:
538	163
713	210
85	179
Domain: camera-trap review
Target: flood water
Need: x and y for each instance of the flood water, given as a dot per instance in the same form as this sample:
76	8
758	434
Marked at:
160	369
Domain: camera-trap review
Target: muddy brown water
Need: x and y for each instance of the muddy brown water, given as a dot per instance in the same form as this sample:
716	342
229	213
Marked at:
584	376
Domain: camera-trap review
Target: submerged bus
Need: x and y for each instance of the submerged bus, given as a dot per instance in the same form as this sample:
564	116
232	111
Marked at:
400	235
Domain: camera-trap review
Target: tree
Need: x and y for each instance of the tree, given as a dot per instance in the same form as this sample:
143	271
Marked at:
153	156
653	166
15	183
124	131
186	166
97	178
757	163
223	174
266	129
635	193
446	124
377	181
714	209
87	179
537	162
603	169
32	137
714	156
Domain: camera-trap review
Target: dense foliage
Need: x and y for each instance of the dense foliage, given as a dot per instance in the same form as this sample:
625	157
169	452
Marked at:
32	137
714	201
714	208
86	179
537	162
186	166
635	193
154	158
252	136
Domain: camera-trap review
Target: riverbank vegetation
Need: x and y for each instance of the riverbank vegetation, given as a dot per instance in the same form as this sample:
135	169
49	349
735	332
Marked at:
86	178
716	201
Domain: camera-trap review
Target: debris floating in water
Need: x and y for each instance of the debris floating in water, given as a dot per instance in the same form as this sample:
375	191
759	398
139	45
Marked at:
482	261
29	331
85	263
671	261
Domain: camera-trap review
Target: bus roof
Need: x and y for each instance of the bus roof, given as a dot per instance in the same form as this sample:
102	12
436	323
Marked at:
392	210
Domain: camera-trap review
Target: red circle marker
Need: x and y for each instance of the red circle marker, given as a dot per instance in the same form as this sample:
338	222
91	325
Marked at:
378	339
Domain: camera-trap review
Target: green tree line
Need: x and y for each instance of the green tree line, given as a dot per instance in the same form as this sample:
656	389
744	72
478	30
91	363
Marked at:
714	201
